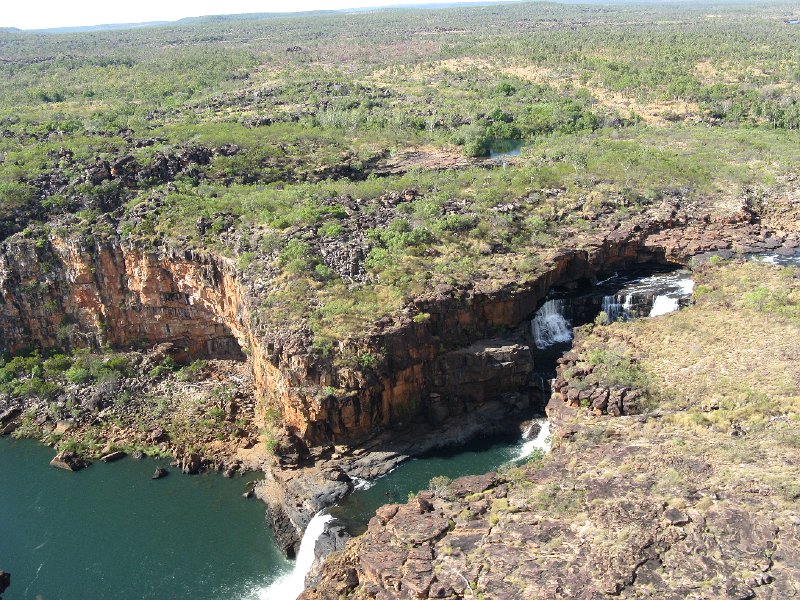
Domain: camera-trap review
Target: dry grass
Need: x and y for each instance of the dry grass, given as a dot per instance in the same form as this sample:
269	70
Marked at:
728	373
737	346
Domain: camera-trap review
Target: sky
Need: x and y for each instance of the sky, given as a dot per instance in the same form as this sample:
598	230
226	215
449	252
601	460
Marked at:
41	14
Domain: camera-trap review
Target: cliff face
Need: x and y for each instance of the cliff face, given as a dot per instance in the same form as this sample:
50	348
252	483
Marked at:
113	292
690	493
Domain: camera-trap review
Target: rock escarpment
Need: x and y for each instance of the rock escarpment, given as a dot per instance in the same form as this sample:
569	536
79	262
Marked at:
693	497
113	291
452	352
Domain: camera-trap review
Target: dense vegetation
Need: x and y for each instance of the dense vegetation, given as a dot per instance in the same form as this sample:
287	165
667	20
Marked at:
255	136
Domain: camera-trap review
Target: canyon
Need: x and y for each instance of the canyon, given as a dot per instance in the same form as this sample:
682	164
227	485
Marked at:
673	470
463	369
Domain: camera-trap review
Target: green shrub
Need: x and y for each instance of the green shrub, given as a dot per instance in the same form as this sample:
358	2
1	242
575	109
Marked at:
439	484
168	365
58	363
78	375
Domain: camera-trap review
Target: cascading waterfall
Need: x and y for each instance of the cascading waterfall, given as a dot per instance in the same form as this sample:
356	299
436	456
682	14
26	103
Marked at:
292	584
663	305
541	441
549	326
670	302
615	307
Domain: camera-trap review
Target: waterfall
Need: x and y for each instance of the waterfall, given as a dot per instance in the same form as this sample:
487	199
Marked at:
541	441
663	305
292	584
616	308
686	286
670	302
549	325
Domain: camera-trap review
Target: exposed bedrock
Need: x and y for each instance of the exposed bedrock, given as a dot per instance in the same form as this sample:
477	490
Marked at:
470	349
462	370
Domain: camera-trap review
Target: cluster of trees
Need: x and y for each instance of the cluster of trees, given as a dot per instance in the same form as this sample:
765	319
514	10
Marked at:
311	119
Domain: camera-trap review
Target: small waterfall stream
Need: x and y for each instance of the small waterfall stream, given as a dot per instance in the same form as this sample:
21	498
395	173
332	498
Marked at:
550	326
617	307
541	441
292	584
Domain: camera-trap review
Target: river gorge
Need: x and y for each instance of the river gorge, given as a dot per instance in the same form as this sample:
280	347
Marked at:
237	557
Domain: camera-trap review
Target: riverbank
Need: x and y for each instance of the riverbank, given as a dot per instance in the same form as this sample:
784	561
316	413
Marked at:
466	368
110	532
579	520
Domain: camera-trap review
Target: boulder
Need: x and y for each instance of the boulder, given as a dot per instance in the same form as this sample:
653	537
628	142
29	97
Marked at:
159	473
9	414
68	461
191	464
112	456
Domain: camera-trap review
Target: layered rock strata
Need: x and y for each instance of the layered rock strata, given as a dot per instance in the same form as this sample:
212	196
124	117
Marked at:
695	496
469	354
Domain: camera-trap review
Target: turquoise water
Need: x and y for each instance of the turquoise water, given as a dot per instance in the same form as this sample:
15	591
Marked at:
500	149
109	531
478	457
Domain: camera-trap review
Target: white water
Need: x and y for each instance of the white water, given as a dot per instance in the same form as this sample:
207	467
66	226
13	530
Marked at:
617	307
686	286
651	296
292	584
549	326
542	440
663	305
362	484
784	260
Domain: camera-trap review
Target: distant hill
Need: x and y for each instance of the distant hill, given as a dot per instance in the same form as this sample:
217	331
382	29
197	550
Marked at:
104	27
257	16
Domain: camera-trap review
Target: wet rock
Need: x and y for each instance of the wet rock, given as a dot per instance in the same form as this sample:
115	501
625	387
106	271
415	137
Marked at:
5	581
333	539
112	456
68	461
191	464
159	473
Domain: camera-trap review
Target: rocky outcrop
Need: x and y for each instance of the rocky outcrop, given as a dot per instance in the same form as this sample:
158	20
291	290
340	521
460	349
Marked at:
574	386
68	292
5	581
69	461
575	526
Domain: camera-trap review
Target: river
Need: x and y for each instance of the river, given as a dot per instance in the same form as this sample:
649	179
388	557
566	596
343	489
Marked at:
110	532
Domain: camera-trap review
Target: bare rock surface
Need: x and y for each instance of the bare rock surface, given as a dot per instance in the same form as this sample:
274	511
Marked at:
690	491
